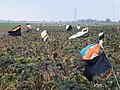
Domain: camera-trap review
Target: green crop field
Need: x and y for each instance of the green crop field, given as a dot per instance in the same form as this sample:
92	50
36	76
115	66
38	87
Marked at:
31	64
4	27
9	25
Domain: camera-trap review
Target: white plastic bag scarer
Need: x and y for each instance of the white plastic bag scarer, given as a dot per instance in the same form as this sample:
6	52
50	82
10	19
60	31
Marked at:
81	33
78	27
44	34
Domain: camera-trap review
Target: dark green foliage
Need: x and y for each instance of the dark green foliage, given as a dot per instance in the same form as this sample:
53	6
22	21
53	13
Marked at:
54	64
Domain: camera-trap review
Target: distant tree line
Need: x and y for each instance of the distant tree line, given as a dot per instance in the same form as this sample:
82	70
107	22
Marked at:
93	21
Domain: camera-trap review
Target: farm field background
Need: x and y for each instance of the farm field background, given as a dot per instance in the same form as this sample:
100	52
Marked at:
52	65
4	27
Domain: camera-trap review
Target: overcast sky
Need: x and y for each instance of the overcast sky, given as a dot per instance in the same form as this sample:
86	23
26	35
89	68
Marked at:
56	10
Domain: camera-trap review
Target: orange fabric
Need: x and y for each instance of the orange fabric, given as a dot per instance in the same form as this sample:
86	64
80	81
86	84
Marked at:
92	50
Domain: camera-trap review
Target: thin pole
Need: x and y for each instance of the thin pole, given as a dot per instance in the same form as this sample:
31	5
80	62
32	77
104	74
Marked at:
22	43
106	54
116	78
113	11
75	14
112	69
